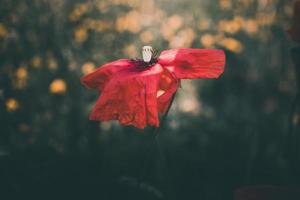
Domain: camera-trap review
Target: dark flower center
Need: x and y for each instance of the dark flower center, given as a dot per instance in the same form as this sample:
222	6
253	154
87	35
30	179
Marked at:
142	64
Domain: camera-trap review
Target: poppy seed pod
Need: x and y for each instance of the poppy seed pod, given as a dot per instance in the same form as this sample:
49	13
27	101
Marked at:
294	31
147	52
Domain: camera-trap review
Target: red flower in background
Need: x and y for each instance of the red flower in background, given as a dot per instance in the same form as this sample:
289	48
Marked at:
129	92
294	31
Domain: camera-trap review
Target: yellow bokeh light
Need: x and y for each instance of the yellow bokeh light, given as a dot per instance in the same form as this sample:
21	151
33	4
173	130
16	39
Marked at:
225	4
232	44
174	22
21	73
166	32
132	3
80	35
78	12
239	20
88	67
130	50
58	86
129	22
203	25
169	27
146	37
251	26
229	26
3	31
11	104
102	6
207	40
101	26
21	76
52	64
97	25
36	62
266	19
184	38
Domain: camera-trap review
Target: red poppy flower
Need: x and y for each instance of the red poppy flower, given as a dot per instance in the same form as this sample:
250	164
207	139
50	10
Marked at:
129	90
294	31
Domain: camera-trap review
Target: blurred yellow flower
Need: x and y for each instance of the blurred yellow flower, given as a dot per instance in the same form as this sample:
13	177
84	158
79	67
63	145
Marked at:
52	64
21	76
131	3
21	73
102	25
225	4
251	27
3	31
88	67
184	38
174	22
11	104
229	26
80	35
102	6
58	86
203	25
239	20
97	25
266	19
78	11
36	62
232	44
166	32
147	7
146	37
170	26
129	22
89	23
207	40
130	50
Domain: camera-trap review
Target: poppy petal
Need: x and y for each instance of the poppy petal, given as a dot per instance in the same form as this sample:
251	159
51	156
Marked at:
98	79
130	97
187	63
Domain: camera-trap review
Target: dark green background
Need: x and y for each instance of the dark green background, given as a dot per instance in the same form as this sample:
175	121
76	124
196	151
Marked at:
49	148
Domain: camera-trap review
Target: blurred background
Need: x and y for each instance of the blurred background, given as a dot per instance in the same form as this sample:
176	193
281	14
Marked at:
220	135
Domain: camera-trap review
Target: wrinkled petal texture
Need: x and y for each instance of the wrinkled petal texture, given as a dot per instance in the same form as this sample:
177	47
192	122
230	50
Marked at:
130	97
193	63
134	95
102	75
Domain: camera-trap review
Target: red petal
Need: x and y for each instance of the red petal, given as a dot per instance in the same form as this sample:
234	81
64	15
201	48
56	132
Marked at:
169	84
130	97
186	63
99	78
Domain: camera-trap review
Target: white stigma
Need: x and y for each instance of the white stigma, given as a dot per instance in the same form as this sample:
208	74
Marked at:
147	52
